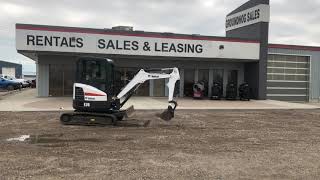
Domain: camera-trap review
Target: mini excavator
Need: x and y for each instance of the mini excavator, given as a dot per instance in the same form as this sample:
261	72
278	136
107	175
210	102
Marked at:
94	98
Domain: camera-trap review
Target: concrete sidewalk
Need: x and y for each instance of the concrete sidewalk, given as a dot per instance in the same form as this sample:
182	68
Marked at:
27	101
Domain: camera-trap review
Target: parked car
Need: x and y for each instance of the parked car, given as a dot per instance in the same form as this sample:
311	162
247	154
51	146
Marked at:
23	82
32	83
8	84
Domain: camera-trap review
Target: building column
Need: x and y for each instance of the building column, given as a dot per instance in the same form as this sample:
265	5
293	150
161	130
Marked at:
42	79
151	87
210	83
37	77
196	75
181	83
166	90
240	76
225	81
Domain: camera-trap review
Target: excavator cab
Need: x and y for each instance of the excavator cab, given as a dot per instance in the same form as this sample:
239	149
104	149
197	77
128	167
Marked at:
96	72
93	90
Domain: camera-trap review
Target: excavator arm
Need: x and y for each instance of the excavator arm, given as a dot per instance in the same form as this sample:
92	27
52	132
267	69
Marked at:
143	76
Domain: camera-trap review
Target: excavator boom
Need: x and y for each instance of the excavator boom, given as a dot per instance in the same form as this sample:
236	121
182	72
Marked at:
173	76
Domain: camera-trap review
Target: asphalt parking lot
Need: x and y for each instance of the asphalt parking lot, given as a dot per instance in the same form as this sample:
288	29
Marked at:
197	144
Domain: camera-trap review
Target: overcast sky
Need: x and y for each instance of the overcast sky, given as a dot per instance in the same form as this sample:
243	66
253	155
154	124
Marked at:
292	21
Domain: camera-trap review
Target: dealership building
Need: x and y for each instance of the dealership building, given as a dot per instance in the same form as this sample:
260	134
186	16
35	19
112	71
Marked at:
273	71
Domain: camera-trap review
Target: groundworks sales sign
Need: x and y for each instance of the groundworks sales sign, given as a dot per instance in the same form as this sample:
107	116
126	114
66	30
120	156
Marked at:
128	44
259	13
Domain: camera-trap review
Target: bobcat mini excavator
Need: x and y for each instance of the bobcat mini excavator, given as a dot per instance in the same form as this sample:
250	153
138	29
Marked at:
94	97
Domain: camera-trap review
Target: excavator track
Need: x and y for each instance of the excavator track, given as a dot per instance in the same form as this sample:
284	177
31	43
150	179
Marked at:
94	118
90	119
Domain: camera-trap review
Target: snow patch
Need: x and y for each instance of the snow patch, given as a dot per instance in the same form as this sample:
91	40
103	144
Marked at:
21	138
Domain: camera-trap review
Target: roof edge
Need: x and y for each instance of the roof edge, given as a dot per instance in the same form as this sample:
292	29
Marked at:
247	5
296	47
131	33
10	62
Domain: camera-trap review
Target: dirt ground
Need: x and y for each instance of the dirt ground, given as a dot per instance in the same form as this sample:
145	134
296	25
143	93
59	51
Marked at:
264	144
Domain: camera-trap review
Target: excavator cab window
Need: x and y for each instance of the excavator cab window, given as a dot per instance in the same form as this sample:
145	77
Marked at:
96	72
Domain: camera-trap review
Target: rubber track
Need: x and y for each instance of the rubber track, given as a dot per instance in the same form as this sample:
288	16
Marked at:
89	119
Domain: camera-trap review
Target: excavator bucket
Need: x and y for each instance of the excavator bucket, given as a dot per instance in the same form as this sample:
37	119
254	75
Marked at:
167	114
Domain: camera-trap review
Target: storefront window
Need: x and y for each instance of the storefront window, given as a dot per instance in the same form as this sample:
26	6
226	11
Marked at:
159	87
218	76
123	77
203	76
61	79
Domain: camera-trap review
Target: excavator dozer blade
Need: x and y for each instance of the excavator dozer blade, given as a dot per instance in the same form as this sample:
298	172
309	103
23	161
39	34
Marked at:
167	114
129	112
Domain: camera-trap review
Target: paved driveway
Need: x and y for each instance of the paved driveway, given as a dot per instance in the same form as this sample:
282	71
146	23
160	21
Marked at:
27	101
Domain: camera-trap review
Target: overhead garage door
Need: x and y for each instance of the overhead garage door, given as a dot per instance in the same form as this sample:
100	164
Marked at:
9	71
288	78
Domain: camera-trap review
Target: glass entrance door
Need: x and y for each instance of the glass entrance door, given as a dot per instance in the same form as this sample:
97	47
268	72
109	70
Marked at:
188	82
233	77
